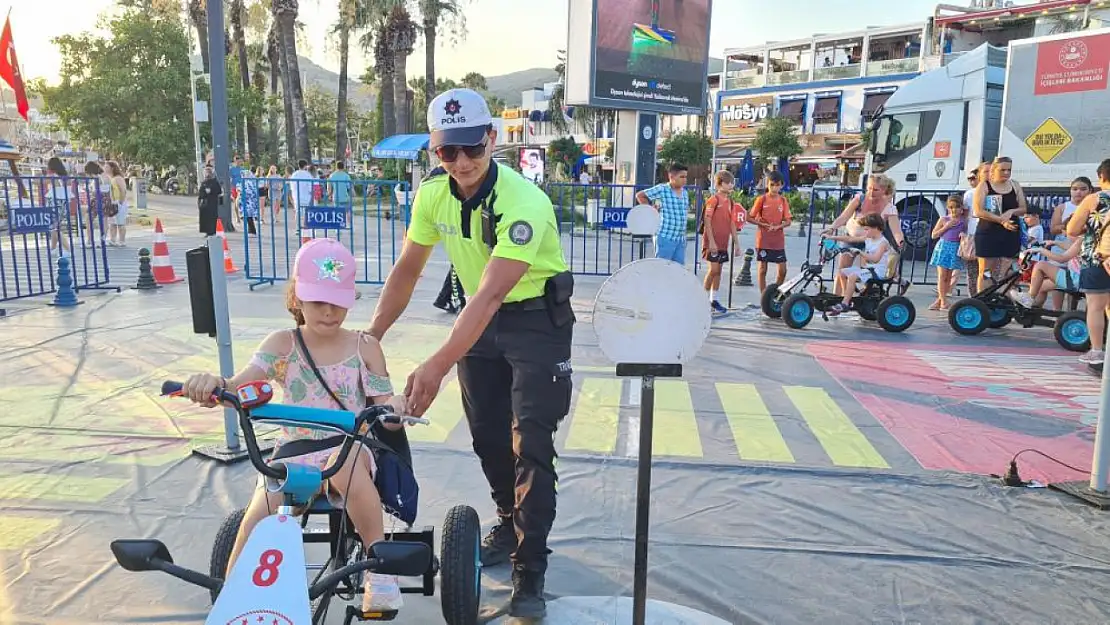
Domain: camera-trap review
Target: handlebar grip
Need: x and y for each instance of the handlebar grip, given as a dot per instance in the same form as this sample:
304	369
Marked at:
169	387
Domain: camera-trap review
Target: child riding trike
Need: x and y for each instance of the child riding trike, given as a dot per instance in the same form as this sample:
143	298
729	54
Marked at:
999	304
880	298
268	579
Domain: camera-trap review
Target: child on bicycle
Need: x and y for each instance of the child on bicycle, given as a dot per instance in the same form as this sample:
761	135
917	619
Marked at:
351	370
875	254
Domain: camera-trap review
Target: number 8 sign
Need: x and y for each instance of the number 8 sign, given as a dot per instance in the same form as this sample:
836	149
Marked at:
267	585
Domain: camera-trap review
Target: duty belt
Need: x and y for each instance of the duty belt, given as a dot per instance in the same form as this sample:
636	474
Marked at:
536	303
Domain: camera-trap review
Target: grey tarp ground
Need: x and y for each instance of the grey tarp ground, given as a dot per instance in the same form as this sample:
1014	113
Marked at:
753	544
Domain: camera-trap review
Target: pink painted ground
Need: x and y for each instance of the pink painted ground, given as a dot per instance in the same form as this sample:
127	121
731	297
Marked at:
954	377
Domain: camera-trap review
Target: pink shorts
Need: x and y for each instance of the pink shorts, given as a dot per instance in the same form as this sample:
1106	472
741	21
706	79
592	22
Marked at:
320	459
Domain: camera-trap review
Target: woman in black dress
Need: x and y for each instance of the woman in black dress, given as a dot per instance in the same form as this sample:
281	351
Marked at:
999	204
208	202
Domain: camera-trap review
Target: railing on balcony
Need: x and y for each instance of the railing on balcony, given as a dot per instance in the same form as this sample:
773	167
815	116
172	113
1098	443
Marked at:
837	72
788	78
744	79
894	66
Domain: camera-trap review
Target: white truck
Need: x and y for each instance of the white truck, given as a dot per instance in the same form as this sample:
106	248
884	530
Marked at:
1044	102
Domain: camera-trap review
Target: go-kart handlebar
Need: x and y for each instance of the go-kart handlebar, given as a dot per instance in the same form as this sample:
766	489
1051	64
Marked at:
277	470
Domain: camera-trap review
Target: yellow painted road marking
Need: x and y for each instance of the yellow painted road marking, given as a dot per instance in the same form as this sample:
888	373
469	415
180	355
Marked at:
842	440
756	434
58	487
19	531
593	423
676	427
65	447
445	414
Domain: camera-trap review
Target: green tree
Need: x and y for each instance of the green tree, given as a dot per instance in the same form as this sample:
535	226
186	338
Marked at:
475	81
777	139
563	153
435	14
127	93
320	108
691	148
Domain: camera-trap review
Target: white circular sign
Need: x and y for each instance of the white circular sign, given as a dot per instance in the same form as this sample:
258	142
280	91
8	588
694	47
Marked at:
648	132
643	220
651	311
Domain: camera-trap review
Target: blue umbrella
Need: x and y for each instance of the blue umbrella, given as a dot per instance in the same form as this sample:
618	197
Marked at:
784	169
747	170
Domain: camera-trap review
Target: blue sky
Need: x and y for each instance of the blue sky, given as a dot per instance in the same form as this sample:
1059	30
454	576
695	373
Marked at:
503	35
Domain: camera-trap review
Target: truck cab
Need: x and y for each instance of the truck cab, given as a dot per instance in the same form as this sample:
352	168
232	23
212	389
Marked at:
935	128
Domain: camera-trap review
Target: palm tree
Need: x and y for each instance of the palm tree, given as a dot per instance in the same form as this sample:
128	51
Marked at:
348	21
432	11
278	70
285	14
198	15
239	37
401	37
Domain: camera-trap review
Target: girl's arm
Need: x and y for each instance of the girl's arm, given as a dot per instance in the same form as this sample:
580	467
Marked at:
370	349
942	224
200	386
1077	225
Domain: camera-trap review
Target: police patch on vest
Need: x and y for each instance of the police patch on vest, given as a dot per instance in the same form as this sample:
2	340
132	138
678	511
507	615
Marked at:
520	232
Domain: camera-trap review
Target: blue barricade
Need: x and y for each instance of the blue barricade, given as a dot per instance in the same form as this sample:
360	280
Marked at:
42	217
369	216
591	220
918	212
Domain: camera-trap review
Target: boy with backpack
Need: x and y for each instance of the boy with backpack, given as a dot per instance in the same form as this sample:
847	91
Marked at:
771	212
719	235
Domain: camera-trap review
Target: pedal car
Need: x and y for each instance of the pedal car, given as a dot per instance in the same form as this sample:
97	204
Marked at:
879	299
259	585
994	308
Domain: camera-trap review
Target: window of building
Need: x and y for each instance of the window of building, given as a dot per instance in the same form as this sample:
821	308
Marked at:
793	109
826	112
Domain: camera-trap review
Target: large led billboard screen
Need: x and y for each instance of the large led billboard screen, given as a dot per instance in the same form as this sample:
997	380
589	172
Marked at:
648	55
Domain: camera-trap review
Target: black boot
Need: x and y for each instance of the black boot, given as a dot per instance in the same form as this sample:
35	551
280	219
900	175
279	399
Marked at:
527	601
499	544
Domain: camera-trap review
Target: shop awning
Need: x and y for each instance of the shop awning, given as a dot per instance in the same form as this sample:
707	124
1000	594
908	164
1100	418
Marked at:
792	109
827	109
872	102
406	147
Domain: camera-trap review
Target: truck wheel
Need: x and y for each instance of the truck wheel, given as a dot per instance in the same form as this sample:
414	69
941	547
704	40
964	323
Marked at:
1071	332
461	569
770	302
896	313
222	546
969	316
797	310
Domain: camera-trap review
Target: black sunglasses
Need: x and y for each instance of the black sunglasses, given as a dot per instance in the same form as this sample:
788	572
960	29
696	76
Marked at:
450	153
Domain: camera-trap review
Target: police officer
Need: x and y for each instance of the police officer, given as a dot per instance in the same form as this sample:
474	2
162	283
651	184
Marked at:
512	340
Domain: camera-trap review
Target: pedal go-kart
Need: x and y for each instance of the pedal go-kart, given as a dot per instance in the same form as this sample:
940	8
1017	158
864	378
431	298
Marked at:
269	578
881	299
994	308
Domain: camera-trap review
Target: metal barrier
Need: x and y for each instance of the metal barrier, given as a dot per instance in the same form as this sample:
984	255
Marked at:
591	220
369	216
45	216
918	212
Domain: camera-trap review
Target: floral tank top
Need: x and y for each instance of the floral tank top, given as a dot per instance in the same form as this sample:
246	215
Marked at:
350	379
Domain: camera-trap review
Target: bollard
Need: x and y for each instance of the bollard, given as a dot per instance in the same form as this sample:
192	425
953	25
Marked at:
65	296
146	275
801	228
745	277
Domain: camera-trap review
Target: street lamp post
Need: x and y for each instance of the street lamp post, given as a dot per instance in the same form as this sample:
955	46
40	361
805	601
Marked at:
218	72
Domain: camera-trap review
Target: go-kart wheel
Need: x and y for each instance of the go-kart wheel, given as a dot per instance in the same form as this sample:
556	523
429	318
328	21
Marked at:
866	308
770	302
222	546
460	569
1071	331
1001	317
797	310
969	316
896	313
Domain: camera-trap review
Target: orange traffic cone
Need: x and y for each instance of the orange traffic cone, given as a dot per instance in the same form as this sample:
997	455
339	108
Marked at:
160	263
229	263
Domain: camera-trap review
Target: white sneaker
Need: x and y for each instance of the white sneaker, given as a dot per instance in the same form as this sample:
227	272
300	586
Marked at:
381	592
1093	357
1022	298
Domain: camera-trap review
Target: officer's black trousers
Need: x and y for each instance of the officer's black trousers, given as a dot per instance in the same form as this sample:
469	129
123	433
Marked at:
516	388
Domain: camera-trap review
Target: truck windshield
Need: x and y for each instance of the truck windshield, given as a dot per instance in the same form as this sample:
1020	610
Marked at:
880	137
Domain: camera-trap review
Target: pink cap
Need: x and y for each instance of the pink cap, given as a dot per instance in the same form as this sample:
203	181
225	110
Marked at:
325	272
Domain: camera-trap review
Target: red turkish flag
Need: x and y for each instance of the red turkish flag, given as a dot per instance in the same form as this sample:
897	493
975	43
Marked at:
9	70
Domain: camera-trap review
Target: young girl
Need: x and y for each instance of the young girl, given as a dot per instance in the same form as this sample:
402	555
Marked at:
320	294
719	235
946	257
1057	274
875	254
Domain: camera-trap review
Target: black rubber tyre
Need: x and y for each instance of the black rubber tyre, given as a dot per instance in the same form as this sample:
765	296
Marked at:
867	309
797	310
969	316
896	313
460	575
1071	331
767	302
222	546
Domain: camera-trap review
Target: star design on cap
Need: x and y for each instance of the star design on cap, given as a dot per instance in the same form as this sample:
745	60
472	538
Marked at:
452	107
329	268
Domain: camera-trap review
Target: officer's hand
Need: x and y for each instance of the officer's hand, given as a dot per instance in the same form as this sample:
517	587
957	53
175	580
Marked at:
422	388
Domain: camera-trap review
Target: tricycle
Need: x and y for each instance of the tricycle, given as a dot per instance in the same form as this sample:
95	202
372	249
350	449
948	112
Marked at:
268	578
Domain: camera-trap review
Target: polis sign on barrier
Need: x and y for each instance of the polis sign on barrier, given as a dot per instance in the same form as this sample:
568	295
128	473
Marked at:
327	217
32	219
614	218
742	117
